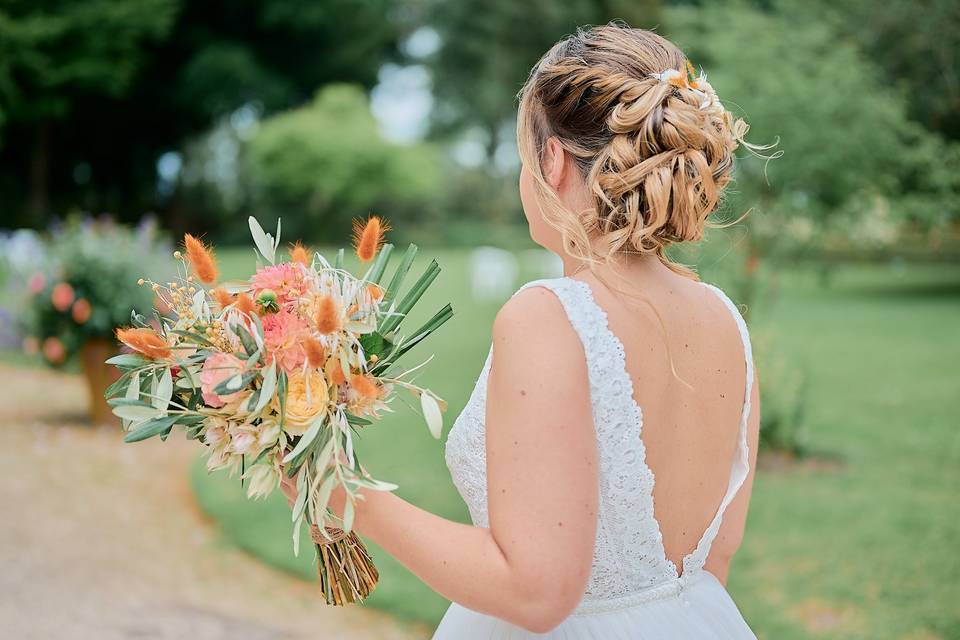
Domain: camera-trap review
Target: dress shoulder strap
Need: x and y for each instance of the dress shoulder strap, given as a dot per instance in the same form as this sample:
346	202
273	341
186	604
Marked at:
741	460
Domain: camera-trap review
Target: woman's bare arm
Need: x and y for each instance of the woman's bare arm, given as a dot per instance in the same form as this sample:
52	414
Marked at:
531	566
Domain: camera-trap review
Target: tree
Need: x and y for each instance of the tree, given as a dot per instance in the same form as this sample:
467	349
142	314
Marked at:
56	53
323	164
489	46
216	56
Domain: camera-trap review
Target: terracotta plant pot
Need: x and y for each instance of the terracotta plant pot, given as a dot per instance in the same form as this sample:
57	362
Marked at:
99	376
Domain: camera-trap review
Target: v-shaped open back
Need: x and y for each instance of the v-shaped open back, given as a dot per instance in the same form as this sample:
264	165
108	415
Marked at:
629	563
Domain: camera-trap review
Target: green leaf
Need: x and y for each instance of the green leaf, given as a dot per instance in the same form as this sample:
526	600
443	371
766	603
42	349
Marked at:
338	262
357	421
262	240
393	321
164	390
398	276
235	383
193	336
348	516
249	344
136	413
305	441
131	360
374	343
375	272
269	384
152	428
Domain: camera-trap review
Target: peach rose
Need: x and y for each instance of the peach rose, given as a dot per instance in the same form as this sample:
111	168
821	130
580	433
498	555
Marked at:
216	369
307	399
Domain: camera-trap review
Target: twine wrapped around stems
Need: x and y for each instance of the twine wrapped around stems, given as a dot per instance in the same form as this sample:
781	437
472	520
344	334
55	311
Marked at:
347	573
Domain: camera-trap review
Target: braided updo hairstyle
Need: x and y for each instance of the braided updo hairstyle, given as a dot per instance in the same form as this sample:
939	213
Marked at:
655	155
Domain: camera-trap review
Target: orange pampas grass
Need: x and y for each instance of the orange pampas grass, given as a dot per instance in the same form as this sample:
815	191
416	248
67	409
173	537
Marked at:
328	319
298	253
375	291
201	259
245	304
222	297
314	351
146	341
368	236
364	386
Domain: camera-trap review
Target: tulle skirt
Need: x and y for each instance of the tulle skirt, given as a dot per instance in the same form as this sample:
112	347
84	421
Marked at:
698	608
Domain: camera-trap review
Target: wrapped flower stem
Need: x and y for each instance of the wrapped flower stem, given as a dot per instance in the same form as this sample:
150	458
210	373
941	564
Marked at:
347	573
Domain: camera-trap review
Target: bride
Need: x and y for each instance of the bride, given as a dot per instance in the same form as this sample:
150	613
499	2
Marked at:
625	371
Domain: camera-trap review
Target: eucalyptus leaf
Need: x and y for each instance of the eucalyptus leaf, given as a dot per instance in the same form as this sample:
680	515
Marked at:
263	240
158	426
305	441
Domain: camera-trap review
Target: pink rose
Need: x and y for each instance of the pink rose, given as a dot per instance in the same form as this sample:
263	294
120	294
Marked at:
216	369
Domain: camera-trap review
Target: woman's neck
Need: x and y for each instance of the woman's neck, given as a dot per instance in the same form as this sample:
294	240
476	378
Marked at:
636	268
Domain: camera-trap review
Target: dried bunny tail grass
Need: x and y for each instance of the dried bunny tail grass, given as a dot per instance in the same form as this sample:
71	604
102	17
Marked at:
334	372
201	259
316	355
364	386
368	237
145	341
299	253
222	296
375	291
245	304
328	315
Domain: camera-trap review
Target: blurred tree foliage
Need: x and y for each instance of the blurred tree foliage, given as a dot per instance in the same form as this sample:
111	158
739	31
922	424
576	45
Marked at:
493	44
847	140
322	164
130	79
56	53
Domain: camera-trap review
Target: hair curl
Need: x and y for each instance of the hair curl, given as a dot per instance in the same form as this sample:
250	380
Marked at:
655	160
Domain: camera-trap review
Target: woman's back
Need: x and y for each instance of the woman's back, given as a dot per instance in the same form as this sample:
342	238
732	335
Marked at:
654	533
691	419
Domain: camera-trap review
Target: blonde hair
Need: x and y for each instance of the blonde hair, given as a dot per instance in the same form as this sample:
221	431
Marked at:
655	155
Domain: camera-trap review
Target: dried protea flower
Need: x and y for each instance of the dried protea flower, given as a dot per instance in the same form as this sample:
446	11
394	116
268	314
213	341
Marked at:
368	236
201	259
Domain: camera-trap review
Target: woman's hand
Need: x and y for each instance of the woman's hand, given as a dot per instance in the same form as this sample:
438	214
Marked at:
289	488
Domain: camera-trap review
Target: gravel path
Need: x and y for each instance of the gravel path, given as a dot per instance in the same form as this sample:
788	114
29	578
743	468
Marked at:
102	540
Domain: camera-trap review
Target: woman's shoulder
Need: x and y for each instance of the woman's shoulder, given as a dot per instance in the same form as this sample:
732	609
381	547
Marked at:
534	320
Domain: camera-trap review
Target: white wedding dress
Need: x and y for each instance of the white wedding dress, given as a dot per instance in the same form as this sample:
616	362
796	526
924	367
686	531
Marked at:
634	591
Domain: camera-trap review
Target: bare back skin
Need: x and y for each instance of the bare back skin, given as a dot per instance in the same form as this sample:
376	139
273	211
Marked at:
689	433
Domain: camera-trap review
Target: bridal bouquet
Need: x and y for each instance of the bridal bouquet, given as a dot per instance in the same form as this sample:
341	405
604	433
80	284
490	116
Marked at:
276	374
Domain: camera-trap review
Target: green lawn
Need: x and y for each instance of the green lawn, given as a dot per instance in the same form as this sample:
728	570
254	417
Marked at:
869	550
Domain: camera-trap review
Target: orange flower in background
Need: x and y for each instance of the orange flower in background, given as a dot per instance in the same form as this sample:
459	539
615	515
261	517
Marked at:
328	315
364	386
54	351
36	283
62	296
201	259
368	237
315	352
81	311
145	341
298	253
